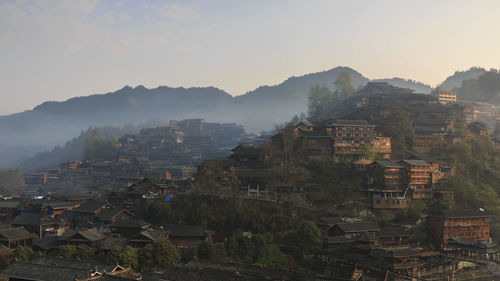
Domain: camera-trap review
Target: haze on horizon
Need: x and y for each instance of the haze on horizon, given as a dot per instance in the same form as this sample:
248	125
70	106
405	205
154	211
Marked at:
55	50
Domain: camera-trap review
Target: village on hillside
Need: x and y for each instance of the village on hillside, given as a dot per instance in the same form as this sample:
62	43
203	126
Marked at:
381	189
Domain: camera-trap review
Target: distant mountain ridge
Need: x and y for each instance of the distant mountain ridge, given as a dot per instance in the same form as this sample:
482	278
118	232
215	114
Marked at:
455	81
53	123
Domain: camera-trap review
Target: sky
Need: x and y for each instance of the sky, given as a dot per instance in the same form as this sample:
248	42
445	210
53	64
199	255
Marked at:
58	49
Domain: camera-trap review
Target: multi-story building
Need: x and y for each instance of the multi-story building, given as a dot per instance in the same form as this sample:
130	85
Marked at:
350	137
473	224
314	142
445	98
389	199
387	174
419	178
382	146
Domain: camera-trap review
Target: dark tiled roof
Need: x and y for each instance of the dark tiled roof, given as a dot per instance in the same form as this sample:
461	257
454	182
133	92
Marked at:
89	234
177	230
393	231
15	233
130	223
90	207
465	213
150	235
143	186
7	204
27	219
338	240
40	272
420	163
109	213
53	261
47	243
389	164
31	220
471	244
351	123
329	220
395	252
111	242
357	226
59	205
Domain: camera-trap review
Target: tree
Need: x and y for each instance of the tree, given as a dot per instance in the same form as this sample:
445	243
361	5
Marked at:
206	250
270	255
98	147
11	181
159	255
308	237
212	178
127	256
157	211
333	182
3	264
343	85
367	152
188	254
399	127
320	103
67	251
25	254
283	156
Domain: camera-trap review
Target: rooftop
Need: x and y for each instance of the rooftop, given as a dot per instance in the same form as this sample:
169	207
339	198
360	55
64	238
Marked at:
465	213
31	219
15	233
420	163
89	234
90	207
357	226
351	123
389	164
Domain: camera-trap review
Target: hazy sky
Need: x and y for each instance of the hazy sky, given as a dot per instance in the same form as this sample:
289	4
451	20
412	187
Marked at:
58	49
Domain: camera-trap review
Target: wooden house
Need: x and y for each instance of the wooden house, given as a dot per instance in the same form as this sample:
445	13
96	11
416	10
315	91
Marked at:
465	224
185	236
90	237
12	237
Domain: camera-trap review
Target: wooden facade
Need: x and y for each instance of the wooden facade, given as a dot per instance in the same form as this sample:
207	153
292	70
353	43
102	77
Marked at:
464	224
419	178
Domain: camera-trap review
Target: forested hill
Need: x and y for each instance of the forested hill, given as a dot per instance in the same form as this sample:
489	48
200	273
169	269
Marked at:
54	123
455	81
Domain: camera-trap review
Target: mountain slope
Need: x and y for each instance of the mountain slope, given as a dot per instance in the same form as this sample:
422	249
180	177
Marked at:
418	87
455	80
53	123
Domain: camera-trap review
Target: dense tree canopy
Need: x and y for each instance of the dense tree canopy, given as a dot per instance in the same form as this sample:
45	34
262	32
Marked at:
159	255
98	147
11	181
320	103
485	88
343	85
399	127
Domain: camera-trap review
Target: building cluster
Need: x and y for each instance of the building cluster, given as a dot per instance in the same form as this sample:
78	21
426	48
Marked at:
357	247
159	162
434	117
340	139
96	224
49	268
396	185
169	155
